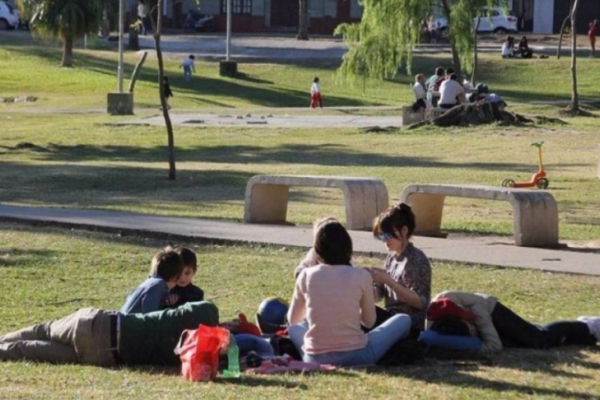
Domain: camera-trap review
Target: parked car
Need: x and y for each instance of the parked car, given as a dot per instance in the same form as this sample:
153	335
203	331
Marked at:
9	16
499	22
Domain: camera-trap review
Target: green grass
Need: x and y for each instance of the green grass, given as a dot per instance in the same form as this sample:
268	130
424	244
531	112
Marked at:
82	161
48	273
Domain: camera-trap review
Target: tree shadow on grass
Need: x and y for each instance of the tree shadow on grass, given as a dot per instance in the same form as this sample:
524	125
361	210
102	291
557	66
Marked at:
244	89
548	362
326	154
15	257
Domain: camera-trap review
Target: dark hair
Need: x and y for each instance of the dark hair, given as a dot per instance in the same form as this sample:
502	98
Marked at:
166	264
451	326
333	244
316	80
449	71
193	57
395	218
439	71
453	77
188	258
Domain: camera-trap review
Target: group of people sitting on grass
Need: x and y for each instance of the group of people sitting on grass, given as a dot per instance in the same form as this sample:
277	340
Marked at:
522	50
445	90
333	317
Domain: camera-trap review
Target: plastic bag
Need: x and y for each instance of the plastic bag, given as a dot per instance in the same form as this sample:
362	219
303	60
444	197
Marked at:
199	351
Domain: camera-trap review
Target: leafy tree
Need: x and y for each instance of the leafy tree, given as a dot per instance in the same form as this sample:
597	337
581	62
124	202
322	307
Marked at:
64	19
384	40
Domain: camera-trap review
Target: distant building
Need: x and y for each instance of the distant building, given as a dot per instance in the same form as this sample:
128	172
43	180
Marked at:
546	16
266	15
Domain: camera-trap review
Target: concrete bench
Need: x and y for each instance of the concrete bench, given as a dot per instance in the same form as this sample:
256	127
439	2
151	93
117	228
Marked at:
267	197
535	214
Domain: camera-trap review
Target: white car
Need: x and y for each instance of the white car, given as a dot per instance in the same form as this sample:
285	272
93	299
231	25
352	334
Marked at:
9	16
499	22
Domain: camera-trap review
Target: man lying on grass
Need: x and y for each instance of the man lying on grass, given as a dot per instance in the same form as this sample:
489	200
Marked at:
108	338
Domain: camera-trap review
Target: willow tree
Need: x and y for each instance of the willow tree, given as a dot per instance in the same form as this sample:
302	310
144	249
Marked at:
384	40
65	20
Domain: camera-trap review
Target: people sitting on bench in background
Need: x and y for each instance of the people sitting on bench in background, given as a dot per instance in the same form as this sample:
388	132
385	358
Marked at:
420	93
523	49
451	92
430	84
508	47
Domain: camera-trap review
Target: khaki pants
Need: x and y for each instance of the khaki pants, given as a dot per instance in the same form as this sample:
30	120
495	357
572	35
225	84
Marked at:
82	337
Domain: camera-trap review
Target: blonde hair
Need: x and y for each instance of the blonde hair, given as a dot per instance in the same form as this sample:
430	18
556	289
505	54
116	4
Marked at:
418	77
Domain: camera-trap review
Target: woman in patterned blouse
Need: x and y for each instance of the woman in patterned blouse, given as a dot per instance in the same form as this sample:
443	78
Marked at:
405	284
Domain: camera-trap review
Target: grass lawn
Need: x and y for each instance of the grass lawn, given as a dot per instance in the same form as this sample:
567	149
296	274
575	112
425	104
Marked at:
79	160
48	273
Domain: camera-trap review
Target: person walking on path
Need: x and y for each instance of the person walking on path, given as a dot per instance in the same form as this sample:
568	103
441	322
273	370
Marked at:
142	18
189	67
592	35
315	94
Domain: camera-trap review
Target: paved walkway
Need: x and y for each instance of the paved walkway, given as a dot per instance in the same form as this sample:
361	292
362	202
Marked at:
460	250
266	120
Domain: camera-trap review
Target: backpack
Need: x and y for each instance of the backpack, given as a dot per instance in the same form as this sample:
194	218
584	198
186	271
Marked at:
199	350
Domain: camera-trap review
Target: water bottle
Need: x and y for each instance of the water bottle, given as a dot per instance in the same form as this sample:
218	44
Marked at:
233	361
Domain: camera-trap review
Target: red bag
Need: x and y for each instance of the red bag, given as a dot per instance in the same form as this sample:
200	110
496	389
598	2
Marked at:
199	350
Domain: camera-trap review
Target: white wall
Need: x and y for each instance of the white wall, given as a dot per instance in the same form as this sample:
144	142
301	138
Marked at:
543	16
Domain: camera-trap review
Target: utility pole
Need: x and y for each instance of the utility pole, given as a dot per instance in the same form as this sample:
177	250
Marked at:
121	29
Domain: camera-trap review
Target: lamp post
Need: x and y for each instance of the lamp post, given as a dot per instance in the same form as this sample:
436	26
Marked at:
228	47
121	29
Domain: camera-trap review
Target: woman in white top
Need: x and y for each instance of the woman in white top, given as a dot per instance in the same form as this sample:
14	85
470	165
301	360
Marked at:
508	48
331	300
420	93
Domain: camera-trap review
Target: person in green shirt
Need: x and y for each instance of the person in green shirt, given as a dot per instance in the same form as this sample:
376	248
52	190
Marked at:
108	338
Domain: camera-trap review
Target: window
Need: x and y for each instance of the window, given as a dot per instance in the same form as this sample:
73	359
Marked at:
237	7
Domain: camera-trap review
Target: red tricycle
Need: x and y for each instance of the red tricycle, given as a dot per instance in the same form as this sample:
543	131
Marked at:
538	179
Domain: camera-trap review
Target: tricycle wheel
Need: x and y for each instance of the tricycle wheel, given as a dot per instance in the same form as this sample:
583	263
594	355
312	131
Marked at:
508	183
542	183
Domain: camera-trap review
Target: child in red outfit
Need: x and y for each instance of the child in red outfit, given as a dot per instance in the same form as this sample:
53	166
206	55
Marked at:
315	94
592	35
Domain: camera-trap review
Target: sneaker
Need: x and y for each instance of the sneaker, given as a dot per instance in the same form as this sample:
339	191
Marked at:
593	324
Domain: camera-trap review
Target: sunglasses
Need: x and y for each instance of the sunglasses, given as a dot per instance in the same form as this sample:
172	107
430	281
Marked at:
383	236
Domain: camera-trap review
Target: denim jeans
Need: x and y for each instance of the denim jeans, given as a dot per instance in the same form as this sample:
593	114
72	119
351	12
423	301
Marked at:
247	343
187	73
379	341
514	331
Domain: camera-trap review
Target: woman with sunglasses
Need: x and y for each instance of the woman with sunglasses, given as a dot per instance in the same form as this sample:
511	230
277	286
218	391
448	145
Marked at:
405	283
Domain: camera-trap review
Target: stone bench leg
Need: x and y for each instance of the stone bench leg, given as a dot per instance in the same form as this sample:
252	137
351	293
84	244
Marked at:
363	203
267	204
428	211
535	224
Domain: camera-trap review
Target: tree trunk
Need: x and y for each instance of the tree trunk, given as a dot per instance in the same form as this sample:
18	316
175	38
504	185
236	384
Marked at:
134	32
562	32
136	72
455	57
574	94
303	20
67	58
475	58
163	100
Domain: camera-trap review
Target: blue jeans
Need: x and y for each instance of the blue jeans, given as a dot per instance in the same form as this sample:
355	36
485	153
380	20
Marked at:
380	340
187	73
247	343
